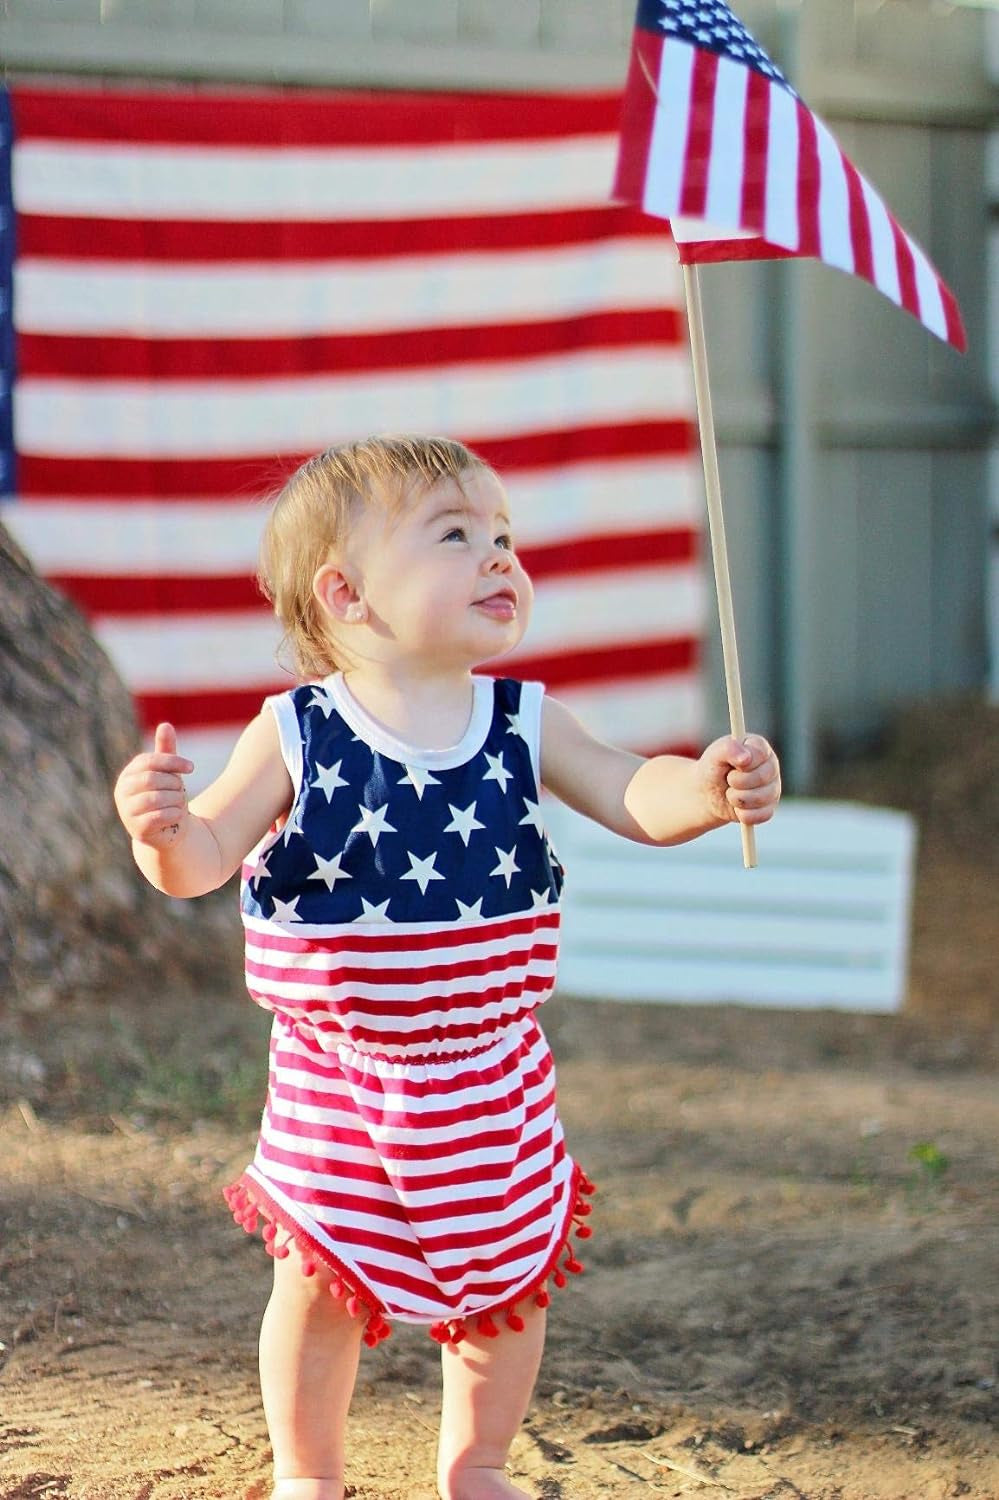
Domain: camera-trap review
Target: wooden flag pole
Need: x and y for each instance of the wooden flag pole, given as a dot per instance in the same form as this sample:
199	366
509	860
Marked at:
716	527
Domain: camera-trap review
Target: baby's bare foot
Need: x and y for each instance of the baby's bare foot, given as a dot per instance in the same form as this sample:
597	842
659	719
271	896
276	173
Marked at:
307	1489
484	1484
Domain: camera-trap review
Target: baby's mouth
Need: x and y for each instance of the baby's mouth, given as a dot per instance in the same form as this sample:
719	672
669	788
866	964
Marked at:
502	605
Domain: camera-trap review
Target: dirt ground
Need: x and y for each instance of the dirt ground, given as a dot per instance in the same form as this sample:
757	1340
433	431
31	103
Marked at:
792	1289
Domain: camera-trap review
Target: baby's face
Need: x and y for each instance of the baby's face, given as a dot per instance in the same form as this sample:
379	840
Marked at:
439	577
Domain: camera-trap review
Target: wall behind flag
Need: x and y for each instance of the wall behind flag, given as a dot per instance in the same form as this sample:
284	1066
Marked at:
209	287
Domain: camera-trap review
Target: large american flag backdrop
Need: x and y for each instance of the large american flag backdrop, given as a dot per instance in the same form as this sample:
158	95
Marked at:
209	287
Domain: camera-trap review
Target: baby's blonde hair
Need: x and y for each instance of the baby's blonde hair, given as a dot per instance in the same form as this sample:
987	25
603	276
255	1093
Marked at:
314	511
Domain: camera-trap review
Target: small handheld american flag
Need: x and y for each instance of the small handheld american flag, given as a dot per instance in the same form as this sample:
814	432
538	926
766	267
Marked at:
715	140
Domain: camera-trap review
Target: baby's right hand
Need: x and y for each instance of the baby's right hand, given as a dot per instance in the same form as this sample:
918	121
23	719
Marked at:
150	794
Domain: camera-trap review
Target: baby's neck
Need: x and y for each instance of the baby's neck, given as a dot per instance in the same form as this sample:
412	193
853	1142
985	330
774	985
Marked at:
431	712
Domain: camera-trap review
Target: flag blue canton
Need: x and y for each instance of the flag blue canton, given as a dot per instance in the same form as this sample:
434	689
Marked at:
710	25
6	299
375	840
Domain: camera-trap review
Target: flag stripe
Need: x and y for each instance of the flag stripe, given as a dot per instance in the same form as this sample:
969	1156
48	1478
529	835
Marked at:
726	167
860	227
153	301
810	187
234	477
696	166
780	221
111	180
834	210
185	418
668	145
168	241
279	118
904	259
638	118
109	358
756	155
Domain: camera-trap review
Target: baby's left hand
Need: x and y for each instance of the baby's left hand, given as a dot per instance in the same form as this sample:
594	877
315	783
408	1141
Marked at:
741	779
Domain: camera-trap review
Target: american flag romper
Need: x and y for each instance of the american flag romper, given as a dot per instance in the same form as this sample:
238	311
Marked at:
402	927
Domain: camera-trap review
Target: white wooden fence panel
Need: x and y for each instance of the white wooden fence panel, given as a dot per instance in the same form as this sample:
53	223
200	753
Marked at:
822	922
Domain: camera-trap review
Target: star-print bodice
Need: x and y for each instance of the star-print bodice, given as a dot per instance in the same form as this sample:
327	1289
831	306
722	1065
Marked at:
410	902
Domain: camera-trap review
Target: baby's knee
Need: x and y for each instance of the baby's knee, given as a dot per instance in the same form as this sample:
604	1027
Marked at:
309	1286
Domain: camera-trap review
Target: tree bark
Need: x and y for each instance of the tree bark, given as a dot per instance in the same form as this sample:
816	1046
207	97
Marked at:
76	917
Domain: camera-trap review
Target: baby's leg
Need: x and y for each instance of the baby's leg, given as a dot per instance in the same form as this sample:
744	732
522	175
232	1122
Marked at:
487	1389
309	1349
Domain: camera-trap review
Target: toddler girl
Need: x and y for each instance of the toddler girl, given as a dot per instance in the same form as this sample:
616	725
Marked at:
401	906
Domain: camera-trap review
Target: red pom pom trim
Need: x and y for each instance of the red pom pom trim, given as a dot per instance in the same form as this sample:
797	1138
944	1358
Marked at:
359	1303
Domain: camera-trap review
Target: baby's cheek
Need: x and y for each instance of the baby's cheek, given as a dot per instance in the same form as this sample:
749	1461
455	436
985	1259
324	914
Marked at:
525	589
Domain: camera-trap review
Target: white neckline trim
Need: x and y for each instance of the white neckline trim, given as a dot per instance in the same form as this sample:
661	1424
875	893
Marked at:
381	738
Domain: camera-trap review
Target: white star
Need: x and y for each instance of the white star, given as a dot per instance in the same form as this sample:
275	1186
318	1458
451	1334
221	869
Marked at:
322	700
540	898
463	822
422	871
507	866
372	913
293	825
470	912
497	771
374	822
260	871
419	779
285	911
516	727
329	871
534	816
329	779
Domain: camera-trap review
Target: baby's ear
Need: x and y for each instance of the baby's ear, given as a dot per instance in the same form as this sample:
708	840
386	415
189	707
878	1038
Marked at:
337	596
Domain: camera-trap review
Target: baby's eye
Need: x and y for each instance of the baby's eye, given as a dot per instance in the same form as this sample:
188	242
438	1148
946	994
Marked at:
505	540
455	534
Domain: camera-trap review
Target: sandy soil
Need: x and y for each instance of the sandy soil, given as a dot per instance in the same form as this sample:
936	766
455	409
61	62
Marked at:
780	1299
792	1289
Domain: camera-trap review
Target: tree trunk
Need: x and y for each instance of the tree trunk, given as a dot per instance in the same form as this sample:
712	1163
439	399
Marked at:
76	917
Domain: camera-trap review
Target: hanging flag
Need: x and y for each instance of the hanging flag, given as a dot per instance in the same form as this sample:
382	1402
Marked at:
714	139
210	287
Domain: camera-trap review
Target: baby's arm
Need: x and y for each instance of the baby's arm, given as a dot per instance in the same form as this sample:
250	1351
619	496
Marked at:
188	850
667	799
